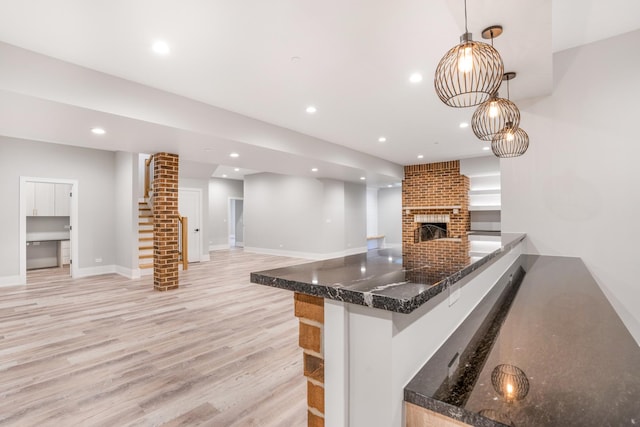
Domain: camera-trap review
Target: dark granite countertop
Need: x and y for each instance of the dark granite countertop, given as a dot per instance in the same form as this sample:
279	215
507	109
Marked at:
382	278
575	362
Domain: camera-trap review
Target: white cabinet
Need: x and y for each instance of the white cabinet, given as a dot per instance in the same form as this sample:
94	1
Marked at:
40	198
64	252
62	204
48	199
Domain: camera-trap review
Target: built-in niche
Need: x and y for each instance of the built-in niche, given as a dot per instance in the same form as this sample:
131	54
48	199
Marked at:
47	214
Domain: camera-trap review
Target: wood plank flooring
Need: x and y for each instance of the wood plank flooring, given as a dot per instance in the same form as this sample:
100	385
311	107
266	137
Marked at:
109	351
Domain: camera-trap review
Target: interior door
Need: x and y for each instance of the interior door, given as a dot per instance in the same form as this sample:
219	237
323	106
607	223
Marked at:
189	205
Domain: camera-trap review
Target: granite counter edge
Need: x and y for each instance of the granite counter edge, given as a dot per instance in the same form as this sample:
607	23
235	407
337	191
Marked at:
380	301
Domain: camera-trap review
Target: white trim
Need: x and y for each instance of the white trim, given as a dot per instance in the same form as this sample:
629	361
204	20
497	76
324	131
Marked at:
129	273
73	217
205	257
218	247
306	255
96	271
6	281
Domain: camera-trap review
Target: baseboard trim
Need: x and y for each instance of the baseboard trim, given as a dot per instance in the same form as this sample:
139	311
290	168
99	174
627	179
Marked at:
11	281
95	271
205	257
129	273
218	247
306	255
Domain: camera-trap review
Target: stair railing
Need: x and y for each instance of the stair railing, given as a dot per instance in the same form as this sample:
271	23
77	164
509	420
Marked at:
183	241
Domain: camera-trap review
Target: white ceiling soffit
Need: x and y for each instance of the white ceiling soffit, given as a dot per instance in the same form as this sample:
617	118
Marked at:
195	170
578	22
355	58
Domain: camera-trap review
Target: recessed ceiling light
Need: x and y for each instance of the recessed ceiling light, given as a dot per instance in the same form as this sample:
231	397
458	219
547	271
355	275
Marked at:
311	109
224	175
486	148
382	139
362	178
464	125
295	59
390	185
237	169
314	169
234	155
98	131
420	156
415	78
161	47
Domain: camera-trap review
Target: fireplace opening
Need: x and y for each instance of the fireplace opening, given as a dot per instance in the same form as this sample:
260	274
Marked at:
430	231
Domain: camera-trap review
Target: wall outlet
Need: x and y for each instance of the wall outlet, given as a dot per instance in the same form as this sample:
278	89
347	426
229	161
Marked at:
98	259
454	293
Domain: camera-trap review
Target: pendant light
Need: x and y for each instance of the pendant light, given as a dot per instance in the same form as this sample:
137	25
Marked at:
492	115
469	73
510	141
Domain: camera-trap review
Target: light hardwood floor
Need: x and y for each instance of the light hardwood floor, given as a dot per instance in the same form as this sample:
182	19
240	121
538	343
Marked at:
108	351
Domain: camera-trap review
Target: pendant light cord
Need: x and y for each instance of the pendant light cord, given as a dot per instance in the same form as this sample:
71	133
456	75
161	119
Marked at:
465	17
508	94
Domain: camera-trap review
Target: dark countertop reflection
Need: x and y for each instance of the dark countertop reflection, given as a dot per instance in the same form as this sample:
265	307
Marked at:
383	278
570	361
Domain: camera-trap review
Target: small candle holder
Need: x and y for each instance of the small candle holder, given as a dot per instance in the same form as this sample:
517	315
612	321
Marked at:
510	382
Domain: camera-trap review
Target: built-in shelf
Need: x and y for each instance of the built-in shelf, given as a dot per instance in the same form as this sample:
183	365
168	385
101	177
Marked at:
495	191
485	208
408	209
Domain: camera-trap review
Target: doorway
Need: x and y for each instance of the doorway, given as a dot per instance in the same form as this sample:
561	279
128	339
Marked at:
48	226
189	205
236	222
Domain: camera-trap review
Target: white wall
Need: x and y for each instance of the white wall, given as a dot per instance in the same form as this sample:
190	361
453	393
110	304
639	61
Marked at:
355	216
372	211
304	217
390	215
126	215
576	191
218	218
95	172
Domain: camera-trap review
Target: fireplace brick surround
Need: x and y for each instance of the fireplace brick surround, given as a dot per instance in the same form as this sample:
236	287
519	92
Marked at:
434	189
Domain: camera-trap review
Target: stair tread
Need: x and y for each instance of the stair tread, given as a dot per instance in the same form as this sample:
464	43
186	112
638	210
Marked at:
145	265
145	239
146	231
146	256
145	248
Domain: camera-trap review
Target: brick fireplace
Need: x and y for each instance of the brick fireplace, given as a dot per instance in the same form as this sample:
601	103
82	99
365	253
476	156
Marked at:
435	196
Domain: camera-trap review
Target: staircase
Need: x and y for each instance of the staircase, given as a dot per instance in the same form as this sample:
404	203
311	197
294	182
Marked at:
145	238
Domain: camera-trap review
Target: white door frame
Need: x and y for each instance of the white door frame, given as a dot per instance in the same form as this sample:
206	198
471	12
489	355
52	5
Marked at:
201	227
231	219
73	219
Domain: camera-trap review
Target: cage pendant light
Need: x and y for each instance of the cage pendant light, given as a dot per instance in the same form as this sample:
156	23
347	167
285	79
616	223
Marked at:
510	142
492	115
469	73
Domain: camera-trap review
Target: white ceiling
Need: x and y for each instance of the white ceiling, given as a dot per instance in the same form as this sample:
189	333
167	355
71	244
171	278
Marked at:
355	58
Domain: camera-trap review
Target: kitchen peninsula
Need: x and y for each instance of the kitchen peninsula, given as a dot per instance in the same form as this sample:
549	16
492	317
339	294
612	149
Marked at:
371	318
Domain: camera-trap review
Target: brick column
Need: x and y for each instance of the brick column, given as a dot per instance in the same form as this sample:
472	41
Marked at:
165	221
310	311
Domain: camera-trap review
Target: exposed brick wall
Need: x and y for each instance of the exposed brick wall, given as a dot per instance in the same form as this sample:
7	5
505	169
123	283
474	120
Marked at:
429	185
310	311
165	221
